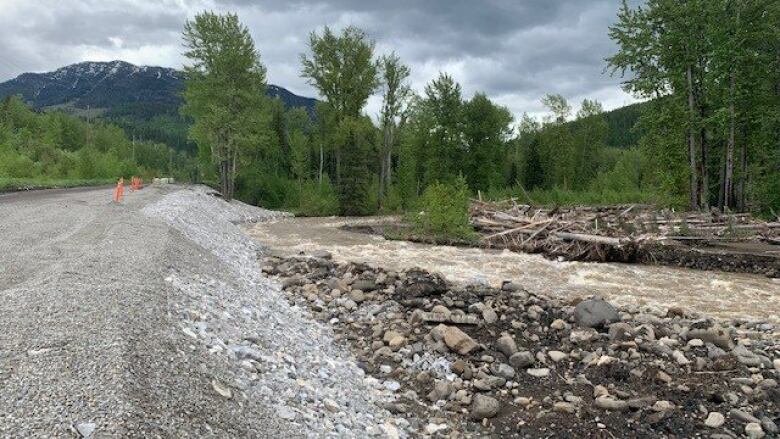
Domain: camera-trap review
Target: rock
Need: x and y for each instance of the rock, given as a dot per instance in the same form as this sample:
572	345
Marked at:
620	332
441	309
441	390
489	315
85	429
564	407
695	342
389	335
286	413
600	390
714	420
753	430
461	368
322	254
663	406
559	325
458	340
769	425
511	286
364	285
357	296
397	342
483	406
392	385
776	363
663	377
505	371
432	428
293	282
578	336
223	390
538	373
595	313
638	403
680	358
521	360
609	403
557	356
419	283
437	332
506	345
330	405
743	416
715	335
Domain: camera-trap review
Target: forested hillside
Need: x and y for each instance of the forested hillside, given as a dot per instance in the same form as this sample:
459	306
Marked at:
39	148
144	100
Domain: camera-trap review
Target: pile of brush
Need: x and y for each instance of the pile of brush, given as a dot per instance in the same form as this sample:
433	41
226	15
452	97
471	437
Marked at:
607	233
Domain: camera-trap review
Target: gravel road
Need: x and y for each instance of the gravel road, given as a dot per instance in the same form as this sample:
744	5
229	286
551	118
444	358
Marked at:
151	319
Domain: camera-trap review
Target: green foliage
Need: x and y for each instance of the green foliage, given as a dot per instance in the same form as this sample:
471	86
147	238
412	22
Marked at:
353	187
55	147
342	68
317	199
712	71
443	211
224	92
18	184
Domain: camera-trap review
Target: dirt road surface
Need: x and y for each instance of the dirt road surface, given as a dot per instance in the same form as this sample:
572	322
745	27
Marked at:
132	320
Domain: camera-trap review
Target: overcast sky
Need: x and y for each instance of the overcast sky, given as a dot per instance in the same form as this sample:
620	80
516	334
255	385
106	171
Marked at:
513	50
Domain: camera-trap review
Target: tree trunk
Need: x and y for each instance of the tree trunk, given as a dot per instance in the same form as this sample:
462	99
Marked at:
742	173
224	168
692	143
322	163
382	171
704	174
722	186
728	181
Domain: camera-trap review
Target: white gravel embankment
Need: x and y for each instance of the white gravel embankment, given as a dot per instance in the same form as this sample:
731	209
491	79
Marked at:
282	358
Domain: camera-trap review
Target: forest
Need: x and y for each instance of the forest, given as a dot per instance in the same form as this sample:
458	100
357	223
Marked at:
706	136
57	149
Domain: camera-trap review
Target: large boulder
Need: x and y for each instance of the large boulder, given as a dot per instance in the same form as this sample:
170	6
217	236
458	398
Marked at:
595	313
420	283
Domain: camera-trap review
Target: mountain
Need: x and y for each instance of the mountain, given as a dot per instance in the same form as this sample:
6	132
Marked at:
116	88
143	100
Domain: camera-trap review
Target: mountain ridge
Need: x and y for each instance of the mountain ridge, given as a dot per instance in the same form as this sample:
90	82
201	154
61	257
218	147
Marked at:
116	84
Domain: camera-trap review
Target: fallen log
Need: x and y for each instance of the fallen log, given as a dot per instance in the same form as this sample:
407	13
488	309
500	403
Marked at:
593	239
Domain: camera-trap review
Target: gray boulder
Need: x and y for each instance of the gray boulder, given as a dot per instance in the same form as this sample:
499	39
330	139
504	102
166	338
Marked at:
483	406
595	313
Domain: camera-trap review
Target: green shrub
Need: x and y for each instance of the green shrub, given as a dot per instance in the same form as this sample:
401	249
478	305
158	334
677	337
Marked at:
394	200
443	211
316	199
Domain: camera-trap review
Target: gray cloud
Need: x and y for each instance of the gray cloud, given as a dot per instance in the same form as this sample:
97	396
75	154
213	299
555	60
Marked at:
513	50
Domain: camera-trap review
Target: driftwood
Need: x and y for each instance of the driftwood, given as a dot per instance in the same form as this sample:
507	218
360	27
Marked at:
608	232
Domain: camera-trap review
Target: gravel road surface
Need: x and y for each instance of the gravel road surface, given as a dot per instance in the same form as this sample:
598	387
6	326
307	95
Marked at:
151	319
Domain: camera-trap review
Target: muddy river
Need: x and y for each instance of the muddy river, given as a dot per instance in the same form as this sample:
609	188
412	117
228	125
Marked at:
719	294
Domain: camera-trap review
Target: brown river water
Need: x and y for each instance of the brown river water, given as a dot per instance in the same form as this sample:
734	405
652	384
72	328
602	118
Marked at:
718	294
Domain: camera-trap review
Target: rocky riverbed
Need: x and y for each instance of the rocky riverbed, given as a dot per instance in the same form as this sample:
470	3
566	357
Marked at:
474	360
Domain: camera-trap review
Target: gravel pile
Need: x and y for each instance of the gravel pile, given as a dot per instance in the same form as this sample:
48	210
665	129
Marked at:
279	357
472	360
